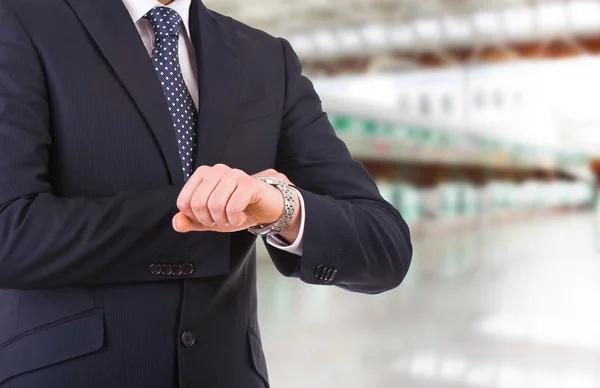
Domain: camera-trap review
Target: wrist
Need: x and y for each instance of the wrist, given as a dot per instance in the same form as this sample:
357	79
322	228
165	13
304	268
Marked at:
278	207
275	196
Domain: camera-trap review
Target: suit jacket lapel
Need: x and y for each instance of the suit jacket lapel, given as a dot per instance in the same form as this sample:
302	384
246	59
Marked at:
215	44
111	27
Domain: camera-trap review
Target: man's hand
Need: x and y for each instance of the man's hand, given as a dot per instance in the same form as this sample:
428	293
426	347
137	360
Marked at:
225	200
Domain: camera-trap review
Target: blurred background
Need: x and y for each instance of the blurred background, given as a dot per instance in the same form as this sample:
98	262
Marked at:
480	120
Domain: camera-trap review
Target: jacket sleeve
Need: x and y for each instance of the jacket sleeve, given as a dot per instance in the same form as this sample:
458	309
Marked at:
353	238
47	241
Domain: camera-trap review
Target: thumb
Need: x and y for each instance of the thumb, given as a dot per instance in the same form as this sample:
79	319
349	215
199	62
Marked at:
182	224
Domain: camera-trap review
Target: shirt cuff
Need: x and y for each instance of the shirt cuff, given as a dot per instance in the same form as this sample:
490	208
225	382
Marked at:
297	247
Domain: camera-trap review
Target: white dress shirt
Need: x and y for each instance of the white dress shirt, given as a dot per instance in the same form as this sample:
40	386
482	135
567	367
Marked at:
137	9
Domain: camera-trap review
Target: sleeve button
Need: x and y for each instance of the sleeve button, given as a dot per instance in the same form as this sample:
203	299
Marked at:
155	269
188	269
166	269
319	271
177	270
333	275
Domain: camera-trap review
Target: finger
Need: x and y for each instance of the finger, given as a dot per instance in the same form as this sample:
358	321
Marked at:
199	201
217	202
184	200
239	201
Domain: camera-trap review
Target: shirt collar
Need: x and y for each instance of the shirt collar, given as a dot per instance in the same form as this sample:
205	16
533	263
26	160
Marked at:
138	8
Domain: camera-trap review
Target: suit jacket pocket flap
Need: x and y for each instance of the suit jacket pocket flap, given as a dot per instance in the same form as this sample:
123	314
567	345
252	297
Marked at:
58	341
256	109
257	356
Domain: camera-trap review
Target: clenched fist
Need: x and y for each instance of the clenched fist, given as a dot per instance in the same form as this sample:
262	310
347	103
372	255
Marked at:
223	199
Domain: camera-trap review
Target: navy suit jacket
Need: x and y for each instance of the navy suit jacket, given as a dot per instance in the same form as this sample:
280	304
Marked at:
98	289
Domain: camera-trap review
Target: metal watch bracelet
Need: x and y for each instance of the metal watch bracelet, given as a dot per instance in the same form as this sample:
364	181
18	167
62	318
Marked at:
288	212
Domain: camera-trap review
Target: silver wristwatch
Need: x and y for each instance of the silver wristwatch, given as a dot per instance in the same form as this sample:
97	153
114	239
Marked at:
288	212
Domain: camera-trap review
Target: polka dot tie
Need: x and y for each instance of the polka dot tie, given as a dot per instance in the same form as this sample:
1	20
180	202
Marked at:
165	58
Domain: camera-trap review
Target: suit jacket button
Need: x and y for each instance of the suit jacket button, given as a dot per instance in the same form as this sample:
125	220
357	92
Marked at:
166	269
188	338
319	271
155	269
177	269
188	269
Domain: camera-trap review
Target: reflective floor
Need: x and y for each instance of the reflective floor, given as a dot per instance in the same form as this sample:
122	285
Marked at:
513	305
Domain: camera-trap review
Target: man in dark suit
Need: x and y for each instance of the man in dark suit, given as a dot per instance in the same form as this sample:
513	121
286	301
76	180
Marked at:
131	136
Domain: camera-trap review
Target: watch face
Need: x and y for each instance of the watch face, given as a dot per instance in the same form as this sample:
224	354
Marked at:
269	180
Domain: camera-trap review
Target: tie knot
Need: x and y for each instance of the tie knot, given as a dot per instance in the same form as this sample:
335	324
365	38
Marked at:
165	21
